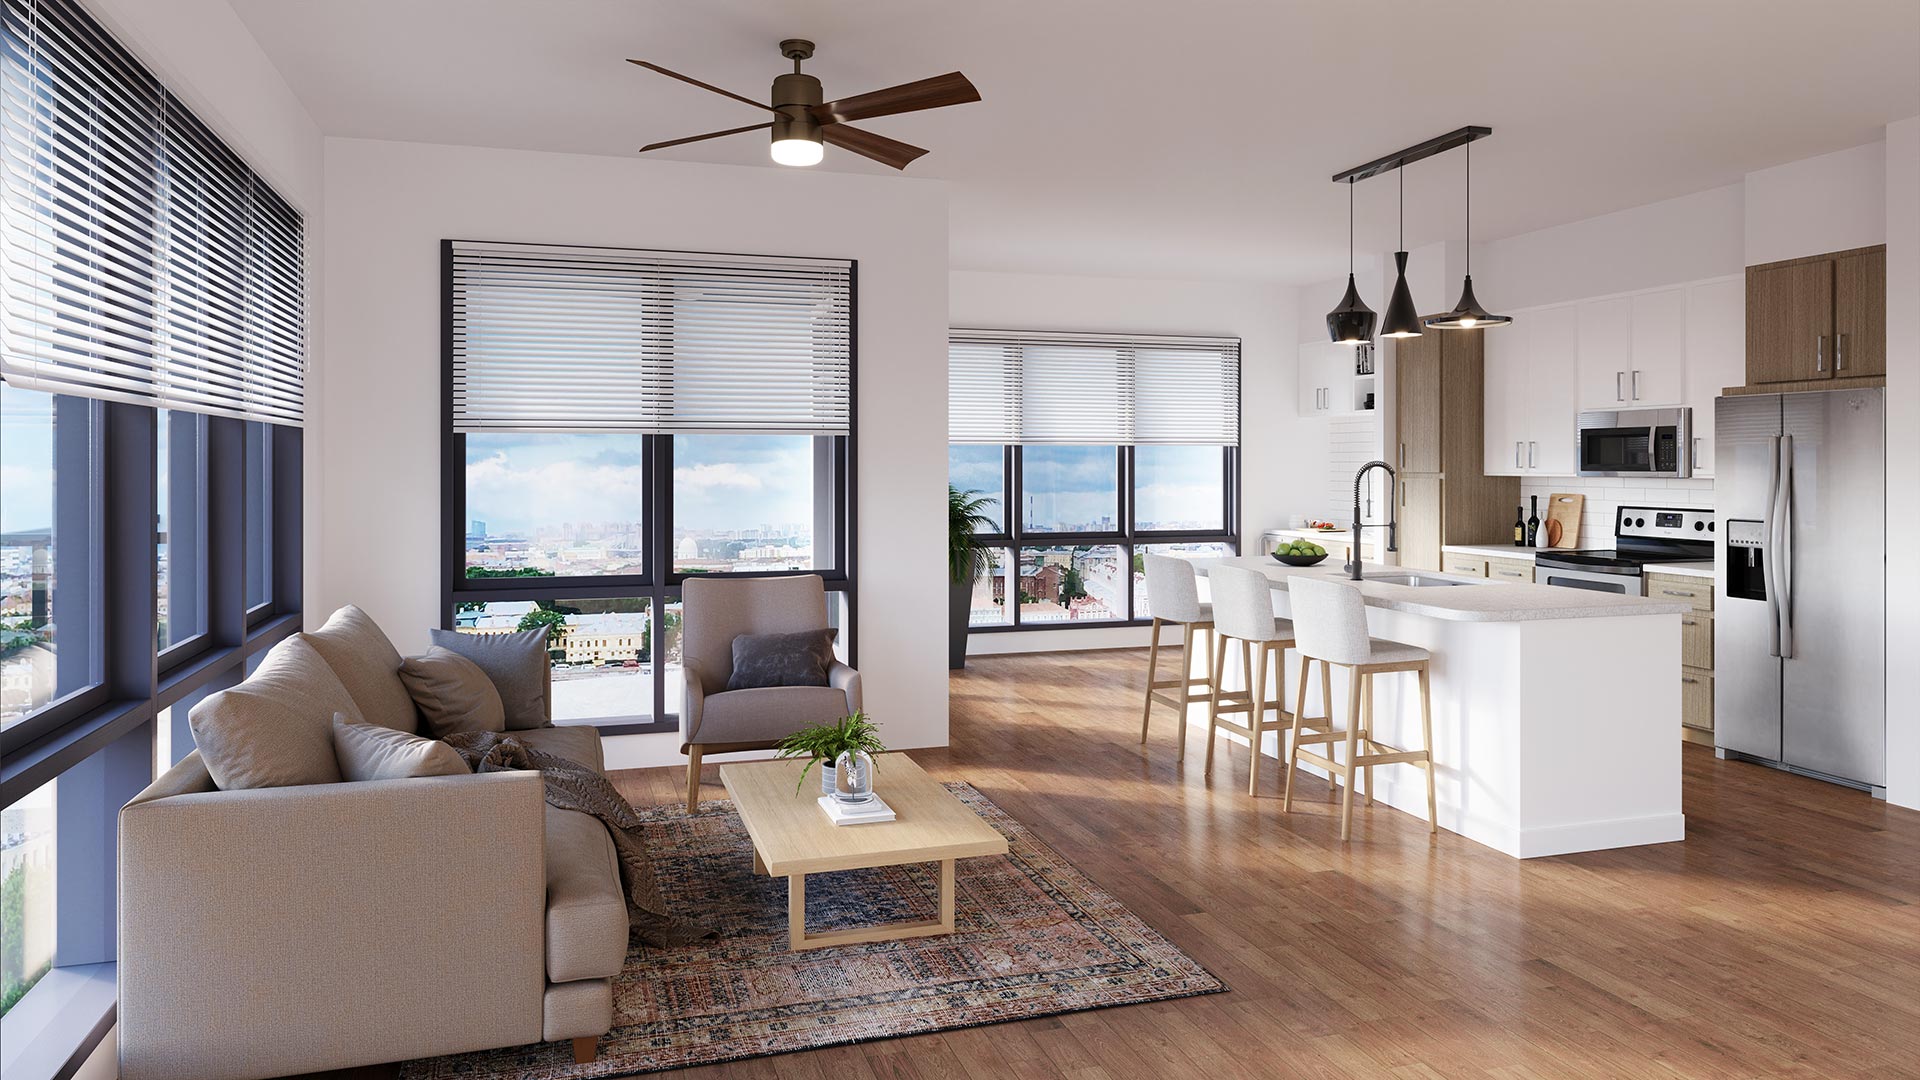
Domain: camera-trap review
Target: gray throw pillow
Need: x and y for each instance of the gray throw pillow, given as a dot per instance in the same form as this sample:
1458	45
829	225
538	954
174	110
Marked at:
275	729
372	752
452	693
517	664
797	659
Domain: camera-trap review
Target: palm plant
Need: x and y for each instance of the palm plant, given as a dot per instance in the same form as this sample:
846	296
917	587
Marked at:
965	558
826	742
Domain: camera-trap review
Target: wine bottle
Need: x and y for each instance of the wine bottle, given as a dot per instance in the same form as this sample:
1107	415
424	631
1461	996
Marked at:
1533	523
1519	526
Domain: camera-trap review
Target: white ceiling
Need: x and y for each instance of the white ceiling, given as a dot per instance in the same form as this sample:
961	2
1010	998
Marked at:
1147	137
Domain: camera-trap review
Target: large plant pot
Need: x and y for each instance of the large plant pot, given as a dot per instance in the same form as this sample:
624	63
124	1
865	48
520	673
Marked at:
959	607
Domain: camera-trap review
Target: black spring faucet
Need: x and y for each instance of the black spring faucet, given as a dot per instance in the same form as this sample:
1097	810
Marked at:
1352	566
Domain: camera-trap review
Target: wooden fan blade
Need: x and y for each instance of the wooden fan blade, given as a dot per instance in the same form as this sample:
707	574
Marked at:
708	135
704	86
865	143
935	93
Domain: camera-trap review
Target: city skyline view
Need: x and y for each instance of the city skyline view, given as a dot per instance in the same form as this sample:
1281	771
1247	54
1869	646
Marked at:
1076	488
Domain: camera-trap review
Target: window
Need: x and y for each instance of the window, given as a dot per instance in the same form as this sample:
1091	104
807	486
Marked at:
629	418
27	908
180	544
1113	447
259	517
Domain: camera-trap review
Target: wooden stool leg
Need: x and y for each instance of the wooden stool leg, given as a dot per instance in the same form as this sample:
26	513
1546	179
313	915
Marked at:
1153	662
1293	753
1213	701
1326	710
1366	705
693	778
1353	736
1186	686
1426	743
1257	709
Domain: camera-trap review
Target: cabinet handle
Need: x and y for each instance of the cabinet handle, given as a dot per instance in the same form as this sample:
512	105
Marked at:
1516	455
1676	592
1403	458
1689	680
1819	352
1619	378
1839	352
1636	384
1693	451
1533	448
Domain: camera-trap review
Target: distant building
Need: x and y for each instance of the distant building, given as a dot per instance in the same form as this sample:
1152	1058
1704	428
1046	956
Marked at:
687	548
476	528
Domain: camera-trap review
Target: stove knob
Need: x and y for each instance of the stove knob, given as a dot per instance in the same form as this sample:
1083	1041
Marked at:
1699	526
1639	523
1709	526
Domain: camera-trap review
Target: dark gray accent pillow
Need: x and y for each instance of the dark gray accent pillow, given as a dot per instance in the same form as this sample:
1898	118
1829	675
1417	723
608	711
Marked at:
451	693
517	664
797	659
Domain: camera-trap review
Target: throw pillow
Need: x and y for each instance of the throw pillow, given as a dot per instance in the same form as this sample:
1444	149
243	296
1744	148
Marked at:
797	659
368	665
372	752
452	693
517	664
276	728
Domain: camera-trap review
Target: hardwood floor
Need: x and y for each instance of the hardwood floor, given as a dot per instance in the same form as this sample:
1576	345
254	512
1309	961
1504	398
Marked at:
1782	938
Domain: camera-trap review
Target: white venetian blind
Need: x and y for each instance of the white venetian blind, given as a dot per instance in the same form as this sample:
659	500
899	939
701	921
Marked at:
1034	387
140	259
550	338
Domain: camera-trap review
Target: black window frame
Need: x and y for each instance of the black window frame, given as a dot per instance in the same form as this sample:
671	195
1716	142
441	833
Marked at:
1128	538
658	583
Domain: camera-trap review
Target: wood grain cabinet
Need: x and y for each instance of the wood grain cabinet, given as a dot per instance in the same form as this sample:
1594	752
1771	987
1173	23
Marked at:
1511	570
1453	562
1818	318
1439	447
1696	650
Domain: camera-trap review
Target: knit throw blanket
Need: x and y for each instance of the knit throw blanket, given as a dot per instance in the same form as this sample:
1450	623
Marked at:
573	786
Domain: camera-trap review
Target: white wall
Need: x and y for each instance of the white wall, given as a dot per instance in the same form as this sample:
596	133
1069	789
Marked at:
388	207
1828	203
1903	458
1276	447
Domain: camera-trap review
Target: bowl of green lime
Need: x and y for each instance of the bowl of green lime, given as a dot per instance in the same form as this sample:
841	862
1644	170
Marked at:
1300	553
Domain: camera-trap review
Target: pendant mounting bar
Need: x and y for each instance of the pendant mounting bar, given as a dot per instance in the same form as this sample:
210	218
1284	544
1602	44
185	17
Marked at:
1418	151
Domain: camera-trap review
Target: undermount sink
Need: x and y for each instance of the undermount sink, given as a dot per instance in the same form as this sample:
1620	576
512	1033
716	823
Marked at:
1418	581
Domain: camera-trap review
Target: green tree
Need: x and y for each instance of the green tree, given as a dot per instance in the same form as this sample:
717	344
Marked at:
1071	585
552	620
489	572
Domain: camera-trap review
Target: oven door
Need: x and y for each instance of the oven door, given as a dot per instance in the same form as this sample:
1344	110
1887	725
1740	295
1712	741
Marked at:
1626	584
1650	442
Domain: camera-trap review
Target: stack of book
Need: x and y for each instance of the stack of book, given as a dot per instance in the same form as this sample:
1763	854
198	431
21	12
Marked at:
866	813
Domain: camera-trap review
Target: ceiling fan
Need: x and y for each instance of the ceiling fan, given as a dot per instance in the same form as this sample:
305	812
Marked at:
802	122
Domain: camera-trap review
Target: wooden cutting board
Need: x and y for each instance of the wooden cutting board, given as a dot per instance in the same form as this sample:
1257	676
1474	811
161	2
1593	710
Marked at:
1563	520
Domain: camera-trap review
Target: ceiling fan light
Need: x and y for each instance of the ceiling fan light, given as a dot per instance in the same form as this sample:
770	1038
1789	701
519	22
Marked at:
1403	319
1352	322
797	151
1467	314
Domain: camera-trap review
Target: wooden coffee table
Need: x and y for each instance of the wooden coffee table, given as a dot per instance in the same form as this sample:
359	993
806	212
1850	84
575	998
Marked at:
793	838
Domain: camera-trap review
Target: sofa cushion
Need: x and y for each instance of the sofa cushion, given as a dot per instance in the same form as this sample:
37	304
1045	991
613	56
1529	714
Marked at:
517	664
586	905
768	714
368	664
276	728
452	693
372	752
797	659
576	742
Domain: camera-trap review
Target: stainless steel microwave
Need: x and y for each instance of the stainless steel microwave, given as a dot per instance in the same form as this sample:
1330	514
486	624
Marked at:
1636	442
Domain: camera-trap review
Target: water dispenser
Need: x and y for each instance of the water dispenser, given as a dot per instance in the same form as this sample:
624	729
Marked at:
1746	557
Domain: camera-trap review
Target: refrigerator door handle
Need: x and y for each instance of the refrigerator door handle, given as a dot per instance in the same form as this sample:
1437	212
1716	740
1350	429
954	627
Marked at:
1783	520
1770	558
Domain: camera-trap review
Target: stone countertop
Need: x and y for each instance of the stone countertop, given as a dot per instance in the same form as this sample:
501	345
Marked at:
1474	600
1701	569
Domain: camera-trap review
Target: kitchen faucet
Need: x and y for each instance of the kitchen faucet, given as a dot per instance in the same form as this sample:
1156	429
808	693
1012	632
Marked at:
1352	566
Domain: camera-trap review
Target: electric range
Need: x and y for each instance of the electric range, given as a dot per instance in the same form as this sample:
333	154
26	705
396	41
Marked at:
1642	535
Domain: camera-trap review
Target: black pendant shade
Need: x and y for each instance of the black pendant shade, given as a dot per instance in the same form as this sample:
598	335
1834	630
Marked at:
1467	314
1403	319
1352	322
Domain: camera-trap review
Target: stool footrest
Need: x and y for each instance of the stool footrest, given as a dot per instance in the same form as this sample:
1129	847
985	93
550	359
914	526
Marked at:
1390	759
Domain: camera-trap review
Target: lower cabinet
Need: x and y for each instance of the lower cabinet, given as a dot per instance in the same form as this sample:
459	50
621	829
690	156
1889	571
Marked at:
1464	565
1696	701
1510	570
1696	651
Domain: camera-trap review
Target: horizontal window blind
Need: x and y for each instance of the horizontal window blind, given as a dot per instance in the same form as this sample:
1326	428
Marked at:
549	338
1035	388
140	259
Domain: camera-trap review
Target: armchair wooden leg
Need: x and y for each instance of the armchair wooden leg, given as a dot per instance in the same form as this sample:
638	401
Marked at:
693	781
585	1049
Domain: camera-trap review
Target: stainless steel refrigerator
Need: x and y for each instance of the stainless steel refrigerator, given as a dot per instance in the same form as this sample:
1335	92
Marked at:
1799	646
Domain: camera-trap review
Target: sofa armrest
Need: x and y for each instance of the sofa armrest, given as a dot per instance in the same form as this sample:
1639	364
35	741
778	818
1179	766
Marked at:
845	679
298	929
692	702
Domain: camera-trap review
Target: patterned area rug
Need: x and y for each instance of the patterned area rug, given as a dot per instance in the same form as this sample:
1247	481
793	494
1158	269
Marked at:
1034	938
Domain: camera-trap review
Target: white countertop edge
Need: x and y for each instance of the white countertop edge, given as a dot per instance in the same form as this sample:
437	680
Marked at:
1523	602
1682	569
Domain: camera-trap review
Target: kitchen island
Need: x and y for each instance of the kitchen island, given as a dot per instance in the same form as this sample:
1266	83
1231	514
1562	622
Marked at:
1553	709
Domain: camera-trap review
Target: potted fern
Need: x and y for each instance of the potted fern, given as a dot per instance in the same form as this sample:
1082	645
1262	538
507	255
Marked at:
966	561
844	750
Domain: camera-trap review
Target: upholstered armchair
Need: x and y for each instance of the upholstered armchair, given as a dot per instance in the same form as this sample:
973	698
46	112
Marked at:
714	611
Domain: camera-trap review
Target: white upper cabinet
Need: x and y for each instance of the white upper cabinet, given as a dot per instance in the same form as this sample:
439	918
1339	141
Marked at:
1716	356
1325	379
1606	353
1531	394
1658	374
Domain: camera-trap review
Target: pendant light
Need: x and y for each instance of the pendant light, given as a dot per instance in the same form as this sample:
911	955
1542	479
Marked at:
1468	314
1352	322
1403	319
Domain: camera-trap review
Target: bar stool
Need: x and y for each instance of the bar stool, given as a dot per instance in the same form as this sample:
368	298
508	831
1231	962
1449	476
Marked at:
1243	610
1173	591
1331	621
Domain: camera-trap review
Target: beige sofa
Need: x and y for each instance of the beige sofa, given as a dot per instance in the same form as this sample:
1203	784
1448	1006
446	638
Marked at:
286	930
